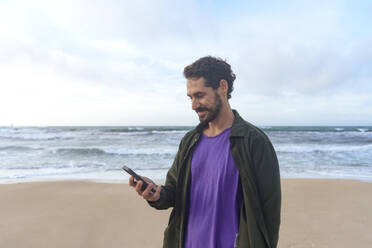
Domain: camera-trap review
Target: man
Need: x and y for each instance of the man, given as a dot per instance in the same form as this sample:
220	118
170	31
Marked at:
224	184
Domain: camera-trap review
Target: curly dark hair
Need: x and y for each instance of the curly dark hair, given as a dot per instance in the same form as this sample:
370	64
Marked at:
213	70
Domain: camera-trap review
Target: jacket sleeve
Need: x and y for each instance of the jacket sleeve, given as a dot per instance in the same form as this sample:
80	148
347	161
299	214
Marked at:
268	185
168	191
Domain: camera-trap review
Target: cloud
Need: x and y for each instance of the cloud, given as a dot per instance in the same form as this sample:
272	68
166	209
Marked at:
300	53
343	108
287	56
304	70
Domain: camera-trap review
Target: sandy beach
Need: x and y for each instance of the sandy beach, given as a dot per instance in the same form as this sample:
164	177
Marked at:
315	213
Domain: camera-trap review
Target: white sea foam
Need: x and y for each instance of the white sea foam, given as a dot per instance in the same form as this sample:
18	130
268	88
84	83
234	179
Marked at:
136	128
363	129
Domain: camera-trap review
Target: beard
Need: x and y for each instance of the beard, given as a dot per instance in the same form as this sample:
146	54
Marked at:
212	112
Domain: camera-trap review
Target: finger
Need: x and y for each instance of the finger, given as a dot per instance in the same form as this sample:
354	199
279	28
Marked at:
156	195
147	192
139	187
148	180
131	181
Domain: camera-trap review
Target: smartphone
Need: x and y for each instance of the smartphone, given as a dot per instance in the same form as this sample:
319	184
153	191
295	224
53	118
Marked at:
138	178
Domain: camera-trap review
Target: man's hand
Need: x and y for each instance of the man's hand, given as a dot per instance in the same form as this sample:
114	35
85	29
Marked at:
146	194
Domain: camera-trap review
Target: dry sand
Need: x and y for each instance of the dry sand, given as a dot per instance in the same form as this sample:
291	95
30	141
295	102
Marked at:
315	213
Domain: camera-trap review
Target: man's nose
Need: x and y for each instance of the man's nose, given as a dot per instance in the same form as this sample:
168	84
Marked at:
195	104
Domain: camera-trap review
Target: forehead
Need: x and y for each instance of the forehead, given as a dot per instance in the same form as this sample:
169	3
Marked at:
195	85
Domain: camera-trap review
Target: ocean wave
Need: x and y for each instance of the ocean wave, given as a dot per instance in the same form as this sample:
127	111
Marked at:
295	148
34	167
90	165
79	151
113	151
142	151
122	130
170	131
35	137
33	134
363	130
19	148
317	129
136	128
25	167
134	133
146	130
55	166
325	138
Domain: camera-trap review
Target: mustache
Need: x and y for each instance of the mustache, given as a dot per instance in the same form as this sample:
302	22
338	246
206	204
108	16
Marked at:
200	109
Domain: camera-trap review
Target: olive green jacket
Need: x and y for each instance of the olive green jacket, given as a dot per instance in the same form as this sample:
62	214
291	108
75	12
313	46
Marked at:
258	168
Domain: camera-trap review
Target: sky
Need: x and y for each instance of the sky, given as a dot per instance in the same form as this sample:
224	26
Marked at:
116	63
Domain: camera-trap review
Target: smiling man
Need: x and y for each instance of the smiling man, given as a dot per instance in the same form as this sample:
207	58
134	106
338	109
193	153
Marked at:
224	184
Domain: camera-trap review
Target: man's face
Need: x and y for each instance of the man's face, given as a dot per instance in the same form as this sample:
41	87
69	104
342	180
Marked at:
205	100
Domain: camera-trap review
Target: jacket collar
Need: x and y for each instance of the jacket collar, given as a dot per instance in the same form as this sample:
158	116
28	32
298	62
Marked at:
237	128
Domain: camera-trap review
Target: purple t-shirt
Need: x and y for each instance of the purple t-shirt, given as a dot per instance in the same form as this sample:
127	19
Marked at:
215	195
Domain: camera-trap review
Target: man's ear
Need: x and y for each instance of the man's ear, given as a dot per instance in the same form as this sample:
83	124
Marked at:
224	86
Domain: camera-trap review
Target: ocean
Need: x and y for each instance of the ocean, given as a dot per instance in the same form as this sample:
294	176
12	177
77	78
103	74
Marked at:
98	153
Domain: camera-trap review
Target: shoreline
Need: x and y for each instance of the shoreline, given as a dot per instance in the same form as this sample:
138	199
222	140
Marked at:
315	213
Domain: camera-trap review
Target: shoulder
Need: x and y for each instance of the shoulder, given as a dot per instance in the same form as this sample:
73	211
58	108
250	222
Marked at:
189	135
252	134
188	138
244	128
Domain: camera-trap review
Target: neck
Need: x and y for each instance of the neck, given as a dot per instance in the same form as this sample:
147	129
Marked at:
224	120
